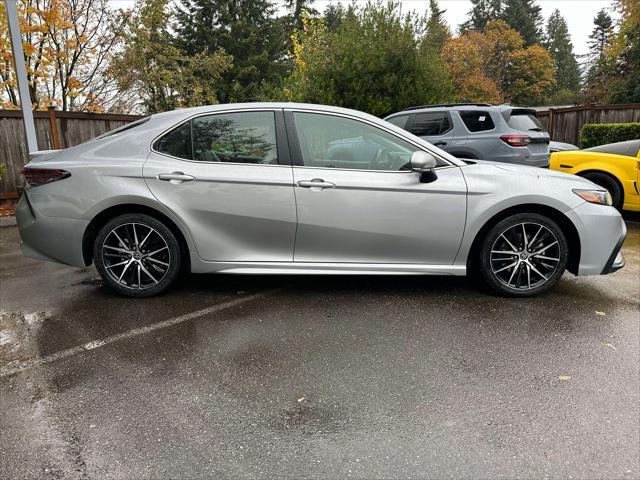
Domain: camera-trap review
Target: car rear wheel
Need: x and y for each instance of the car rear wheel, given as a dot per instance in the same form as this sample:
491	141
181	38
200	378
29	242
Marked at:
523	255
607	181
137	255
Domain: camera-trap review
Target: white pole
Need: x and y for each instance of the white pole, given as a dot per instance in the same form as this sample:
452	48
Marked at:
21	75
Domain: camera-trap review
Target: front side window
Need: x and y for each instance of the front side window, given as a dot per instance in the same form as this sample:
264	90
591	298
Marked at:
477	121
430	124
243	137
329	141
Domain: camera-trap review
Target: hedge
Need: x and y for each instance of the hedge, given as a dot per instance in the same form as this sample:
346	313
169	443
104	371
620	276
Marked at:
594	134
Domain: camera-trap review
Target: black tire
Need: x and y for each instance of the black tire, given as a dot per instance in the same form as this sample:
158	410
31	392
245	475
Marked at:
605	180
509	269
145	274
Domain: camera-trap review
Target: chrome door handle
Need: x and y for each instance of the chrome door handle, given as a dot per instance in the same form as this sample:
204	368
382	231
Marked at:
175	177
315	183
440	144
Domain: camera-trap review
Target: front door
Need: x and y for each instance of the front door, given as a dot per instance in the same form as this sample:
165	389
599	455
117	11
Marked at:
228	177
358	202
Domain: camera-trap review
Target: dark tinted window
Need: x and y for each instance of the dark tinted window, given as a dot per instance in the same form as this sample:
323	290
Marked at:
629	148
524	121
246	137
123	128
399	121
429	124
477	121
176	143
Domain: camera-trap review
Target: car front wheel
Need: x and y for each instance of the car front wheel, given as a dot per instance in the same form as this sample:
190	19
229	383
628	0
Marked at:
523	255
137	255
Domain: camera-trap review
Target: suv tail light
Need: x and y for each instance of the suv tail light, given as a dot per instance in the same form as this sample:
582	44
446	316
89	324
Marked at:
40	176
516	140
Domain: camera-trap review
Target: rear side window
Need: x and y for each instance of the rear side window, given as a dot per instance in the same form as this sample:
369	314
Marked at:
477	121
176	143
430	124
399	121
524	121
243	137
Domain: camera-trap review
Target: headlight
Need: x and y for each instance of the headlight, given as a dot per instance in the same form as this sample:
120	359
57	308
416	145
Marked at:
601	197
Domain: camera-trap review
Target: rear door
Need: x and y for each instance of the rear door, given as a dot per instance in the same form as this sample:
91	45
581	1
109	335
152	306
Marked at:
228	177
435	127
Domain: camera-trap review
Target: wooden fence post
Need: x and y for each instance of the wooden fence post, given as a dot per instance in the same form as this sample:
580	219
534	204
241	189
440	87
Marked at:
53	125
550	122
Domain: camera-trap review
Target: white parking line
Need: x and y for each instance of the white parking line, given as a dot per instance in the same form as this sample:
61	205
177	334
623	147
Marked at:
15	367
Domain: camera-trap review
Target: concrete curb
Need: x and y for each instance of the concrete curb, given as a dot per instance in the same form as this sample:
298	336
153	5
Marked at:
7	222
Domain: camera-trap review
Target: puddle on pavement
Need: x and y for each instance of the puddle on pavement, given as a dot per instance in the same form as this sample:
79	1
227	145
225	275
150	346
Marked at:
18	335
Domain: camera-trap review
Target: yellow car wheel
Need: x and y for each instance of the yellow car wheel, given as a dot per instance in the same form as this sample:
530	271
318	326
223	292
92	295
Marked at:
610	183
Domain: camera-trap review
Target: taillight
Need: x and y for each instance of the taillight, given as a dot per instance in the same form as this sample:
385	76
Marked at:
40	176
516	140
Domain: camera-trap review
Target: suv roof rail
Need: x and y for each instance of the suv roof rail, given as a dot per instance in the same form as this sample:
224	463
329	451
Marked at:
449	105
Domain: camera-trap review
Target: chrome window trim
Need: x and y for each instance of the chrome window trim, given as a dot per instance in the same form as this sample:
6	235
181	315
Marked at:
380	127
219	112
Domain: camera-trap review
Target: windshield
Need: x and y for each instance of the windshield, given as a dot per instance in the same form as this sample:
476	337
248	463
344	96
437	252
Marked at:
524	121
629	148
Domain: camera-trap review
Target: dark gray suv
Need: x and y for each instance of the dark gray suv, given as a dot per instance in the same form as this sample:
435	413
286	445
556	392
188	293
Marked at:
480	131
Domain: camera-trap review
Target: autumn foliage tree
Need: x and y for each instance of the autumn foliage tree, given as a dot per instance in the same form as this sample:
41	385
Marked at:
496	66
68	45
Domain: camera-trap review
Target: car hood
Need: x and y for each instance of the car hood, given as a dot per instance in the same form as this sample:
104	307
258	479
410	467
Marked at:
537	172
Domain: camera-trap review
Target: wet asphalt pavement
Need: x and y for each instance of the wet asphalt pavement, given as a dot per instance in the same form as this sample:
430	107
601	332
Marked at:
320	377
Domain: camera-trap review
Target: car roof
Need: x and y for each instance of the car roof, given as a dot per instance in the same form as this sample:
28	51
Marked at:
628	148
503	109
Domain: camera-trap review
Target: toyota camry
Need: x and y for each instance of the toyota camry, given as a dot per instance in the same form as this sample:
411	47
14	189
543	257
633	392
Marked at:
282	188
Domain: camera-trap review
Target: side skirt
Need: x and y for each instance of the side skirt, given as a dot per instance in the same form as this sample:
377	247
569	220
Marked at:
312	268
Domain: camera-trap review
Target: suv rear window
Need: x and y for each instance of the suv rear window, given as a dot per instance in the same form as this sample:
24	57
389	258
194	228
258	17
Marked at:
477	121
524	121
430	124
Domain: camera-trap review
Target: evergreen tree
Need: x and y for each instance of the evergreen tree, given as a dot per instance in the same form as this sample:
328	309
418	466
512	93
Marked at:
525	18
298	9
481	13
245	29
558	43
437	30
600	36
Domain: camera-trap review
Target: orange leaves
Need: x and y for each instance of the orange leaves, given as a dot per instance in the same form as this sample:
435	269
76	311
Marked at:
494	66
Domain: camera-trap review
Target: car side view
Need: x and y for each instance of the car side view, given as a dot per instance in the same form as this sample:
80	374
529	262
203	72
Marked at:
615	167
480	131
278	188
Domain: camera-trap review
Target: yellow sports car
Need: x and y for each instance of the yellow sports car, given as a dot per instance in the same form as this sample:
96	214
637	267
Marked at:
615	167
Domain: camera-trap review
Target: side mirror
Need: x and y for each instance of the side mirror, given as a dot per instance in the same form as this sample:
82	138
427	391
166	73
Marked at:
424	163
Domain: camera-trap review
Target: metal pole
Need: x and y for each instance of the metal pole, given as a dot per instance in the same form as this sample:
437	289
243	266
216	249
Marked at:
21	75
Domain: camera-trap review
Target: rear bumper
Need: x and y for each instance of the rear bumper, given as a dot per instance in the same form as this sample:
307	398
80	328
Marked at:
49	238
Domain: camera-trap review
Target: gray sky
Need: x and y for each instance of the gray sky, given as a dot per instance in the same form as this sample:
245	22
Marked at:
579	14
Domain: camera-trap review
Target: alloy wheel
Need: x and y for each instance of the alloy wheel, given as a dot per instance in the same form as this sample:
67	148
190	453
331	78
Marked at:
525	256
136	256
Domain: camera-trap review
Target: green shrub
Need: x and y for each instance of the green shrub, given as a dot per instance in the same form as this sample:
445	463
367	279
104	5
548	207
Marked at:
594	134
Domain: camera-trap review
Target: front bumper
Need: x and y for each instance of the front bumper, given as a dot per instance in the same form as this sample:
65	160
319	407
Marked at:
602	232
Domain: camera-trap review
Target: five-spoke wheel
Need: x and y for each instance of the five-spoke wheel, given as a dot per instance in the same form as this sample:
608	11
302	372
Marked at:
523	255
137	255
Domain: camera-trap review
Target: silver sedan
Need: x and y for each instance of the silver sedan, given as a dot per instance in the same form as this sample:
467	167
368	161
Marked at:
305	189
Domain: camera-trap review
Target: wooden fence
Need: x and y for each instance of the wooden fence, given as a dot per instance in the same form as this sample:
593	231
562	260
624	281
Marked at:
54	130
564	124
